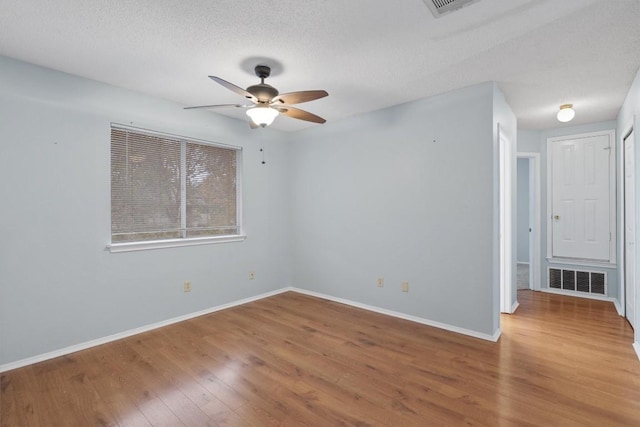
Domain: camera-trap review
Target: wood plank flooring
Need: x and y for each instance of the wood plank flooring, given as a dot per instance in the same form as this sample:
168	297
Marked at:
294	360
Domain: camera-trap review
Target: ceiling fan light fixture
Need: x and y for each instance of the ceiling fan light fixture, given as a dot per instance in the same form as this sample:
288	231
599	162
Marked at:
267	102
566	113
262	115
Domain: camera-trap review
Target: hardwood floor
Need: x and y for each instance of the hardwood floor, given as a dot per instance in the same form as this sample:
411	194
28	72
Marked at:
296	360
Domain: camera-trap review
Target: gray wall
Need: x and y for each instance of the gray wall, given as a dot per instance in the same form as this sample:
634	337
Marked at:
629	118
389	194
381	194
58	285
527	142
612	273
523	210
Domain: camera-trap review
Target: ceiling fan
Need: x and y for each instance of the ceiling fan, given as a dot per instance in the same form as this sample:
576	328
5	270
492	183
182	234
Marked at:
267	102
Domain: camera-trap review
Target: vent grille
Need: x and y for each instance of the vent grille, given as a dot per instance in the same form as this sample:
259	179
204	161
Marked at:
442	7
582	281
569	280
598	282
555	278
590	282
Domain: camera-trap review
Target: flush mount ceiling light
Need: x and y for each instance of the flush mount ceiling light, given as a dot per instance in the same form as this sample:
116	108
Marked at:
566	113
267	102
262	114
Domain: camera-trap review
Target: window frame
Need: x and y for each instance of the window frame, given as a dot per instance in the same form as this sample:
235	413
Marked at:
183	241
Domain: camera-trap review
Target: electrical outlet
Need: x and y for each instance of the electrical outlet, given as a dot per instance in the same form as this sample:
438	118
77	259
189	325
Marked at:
405	286
187	286
252	275
380	282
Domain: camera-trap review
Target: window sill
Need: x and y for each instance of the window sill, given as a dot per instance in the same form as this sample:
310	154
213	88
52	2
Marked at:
173	243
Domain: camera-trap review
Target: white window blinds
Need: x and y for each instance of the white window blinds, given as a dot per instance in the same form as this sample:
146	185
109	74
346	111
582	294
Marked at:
165	187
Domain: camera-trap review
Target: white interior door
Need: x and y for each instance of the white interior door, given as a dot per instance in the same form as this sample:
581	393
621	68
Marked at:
580	198
629	228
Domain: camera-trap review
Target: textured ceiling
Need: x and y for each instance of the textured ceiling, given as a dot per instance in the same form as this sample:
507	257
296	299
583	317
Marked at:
368	54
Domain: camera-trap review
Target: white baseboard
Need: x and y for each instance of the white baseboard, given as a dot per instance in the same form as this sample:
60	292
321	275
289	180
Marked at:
404	316
514	307
577	294
120	335
88	344
616	303
636	347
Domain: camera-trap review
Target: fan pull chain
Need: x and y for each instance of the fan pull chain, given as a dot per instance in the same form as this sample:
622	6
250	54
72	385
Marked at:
262	151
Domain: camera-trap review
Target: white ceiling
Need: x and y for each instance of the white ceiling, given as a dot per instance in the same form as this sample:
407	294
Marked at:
368	54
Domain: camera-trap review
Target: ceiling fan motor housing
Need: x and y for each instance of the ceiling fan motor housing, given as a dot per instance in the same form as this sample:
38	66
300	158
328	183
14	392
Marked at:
263	92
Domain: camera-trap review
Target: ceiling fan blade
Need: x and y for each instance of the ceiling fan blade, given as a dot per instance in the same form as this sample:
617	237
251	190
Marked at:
299	97
252	125
234	88
299	114
218	106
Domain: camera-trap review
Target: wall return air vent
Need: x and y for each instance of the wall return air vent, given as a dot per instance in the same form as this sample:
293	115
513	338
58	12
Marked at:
591	282
442	7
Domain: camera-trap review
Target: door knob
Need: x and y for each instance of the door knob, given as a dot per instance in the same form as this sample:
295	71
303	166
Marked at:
556	217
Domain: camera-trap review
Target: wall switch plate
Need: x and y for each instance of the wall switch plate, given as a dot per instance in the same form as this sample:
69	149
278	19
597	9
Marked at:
380	282
252	275
405	286
187	286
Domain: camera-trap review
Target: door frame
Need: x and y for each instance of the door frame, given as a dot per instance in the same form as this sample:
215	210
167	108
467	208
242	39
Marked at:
534	218
506	232
622	263
630	122
613	216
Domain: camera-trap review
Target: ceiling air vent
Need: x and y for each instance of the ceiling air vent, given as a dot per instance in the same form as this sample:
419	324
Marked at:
442	7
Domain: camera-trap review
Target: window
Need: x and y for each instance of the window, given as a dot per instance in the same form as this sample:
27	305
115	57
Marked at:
168	190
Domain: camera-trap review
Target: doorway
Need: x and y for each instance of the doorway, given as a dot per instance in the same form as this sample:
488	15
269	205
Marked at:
523	225
528	221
